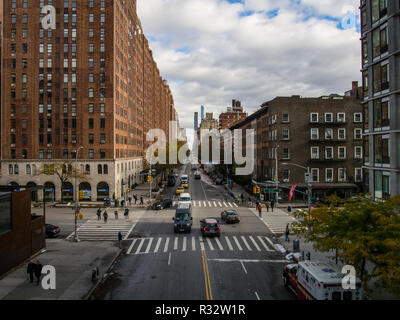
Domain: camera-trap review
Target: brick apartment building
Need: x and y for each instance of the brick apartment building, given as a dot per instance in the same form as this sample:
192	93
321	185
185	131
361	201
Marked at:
380	29
323	133
232	116
91	82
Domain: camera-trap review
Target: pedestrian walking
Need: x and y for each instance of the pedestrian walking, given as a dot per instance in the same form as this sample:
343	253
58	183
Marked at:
241	197
268	204
116	214
272	205
287	232
38	271
120	239
257	204
105	216
141	200
126	213
135	197
31	270
289	209
130	201
98	214
260	210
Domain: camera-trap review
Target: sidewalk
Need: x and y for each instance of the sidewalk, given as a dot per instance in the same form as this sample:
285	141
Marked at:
73	263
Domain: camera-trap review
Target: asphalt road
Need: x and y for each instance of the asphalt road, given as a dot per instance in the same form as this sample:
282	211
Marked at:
161	265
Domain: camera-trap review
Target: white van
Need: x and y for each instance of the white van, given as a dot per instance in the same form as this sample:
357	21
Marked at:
185	198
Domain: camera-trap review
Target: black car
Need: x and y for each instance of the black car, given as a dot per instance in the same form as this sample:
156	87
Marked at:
210	227
162	204
52	231
183	220
219	181
197	176
230	216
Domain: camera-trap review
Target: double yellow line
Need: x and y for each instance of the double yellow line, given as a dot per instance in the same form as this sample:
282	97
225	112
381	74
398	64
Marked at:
206	276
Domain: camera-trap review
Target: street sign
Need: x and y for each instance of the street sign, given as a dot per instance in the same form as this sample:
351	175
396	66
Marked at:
271	190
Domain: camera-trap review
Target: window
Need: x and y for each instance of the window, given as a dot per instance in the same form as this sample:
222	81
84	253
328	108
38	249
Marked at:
382	184
91	153
379	41
381	76
329	175
28	169
341	117
342	134
381	114
315	175
285	134
102	138
100	169
285	118
91	123
91	139
328	117
342	152
342	176
102	154
91	108
358	117
314	117
286	154
315	153
105	169
358	154
328	134
357	134
329	153
382	149
314	134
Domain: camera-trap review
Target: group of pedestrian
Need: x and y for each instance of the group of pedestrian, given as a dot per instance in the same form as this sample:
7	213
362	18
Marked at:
105	215
270	204
35	269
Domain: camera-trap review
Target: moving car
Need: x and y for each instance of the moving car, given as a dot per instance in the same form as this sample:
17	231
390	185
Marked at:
180	190
52	231
171	181
197	175
185	198
210	227
230	216
185	181
162	204
316	280
183	219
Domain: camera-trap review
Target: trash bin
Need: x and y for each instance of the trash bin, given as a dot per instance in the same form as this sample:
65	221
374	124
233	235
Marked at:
296	246
116	203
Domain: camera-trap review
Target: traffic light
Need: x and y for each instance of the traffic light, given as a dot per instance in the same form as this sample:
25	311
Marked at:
149	178
256	190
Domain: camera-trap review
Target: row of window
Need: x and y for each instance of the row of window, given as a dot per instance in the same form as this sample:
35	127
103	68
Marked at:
329	175
341	153
340	117
14	169
341	134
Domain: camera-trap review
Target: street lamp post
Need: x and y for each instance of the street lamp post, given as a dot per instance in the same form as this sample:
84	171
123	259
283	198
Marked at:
276	175
76	239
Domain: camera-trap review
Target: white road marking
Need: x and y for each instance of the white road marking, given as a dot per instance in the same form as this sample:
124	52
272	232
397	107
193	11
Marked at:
184	244
140	246
166	245
131	246
225	204
255	243
176	244
149	245
219	244
193	244
201	243
271	243
129	232
246	243
169	258
245	271
249	260
235	205
214	204
210	244
205	204
230	205
220	204
200	204
258	298
209	203
229	243
157	245
263	243
237	243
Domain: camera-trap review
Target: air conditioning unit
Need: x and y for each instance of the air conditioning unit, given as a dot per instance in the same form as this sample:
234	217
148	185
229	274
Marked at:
286	180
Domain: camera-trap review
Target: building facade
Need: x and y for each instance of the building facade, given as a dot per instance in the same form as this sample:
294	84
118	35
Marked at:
380	30
324	134
91	82
196	121
232	116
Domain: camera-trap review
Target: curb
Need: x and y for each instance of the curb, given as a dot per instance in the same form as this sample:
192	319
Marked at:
5	275
93	289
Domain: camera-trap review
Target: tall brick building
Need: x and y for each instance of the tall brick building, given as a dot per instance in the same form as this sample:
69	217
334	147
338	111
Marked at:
91	82
323	133
232	116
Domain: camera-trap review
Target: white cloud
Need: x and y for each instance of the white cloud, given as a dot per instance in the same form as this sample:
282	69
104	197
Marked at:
211	55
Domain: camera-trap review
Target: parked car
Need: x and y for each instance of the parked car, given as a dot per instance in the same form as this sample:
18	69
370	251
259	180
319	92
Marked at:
230	216
162	204
210	227
52	231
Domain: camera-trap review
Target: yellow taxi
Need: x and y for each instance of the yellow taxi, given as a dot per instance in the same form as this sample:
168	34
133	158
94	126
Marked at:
185	185
180	190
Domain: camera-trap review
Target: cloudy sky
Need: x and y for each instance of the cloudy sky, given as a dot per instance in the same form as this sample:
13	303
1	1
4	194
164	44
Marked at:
213	51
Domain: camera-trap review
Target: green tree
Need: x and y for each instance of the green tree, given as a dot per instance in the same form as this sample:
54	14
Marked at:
364	233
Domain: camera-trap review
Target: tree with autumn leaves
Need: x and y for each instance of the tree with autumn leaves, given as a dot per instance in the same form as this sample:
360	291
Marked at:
364	233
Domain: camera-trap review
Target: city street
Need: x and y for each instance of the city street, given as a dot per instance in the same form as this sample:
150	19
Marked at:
158	264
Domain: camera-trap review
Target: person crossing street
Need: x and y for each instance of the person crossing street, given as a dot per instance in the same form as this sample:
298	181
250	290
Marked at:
105	216
260	210
98	214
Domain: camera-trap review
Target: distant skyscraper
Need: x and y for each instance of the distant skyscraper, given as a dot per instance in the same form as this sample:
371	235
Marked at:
196	120
202	113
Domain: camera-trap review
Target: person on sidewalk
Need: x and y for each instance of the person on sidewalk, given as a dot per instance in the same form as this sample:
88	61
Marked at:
38	271
257	204
126	213
98	214
105	216
267	204
130	201
135	197
141	200
260	210
120	239
31	270
116	214
241	197
287	232
272	205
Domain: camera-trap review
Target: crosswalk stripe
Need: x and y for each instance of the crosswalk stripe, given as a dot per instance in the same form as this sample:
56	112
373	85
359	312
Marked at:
225	204
205	204
263	243
246	243
214	204
166	245
209	203
255	243
210	244
176	244
237	243
230	204
140	246
149	245
131	246
271	243
193	244
220	204
219	244
200	204
157	245
201	243
235	205
184	244
229	243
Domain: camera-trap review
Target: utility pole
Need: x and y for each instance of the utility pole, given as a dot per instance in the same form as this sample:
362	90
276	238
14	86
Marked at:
76	194
151	179
309	190
276	175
